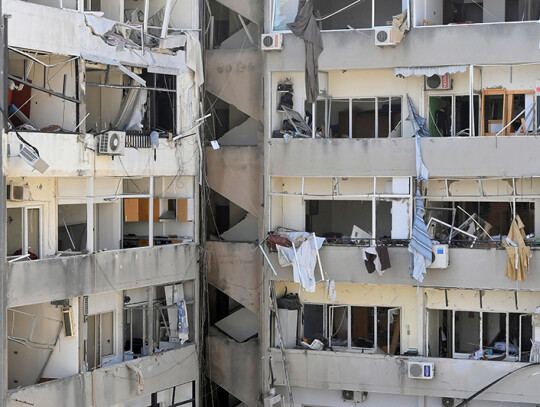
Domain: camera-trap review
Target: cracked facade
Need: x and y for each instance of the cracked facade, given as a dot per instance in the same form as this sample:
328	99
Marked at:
142	266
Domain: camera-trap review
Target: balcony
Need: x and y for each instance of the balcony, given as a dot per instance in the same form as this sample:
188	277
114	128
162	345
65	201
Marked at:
105	271
388	374
463	156
69	32
422	46
115	384
344	264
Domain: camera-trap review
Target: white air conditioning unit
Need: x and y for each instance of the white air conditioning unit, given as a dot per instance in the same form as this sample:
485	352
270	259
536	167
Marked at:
420	370
356	396
440	257
18	193
450	402
438	82
272	42
384	36
112	143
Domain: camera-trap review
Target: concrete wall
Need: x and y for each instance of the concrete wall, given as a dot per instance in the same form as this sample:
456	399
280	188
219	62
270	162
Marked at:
115	384
235	366
422	46
501	156
385	374
468	269
101	272
235	270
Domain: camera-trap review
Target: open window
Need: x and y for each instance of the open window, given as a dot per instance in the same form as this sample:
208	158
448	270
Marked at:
43	92
377	117
470	224
479	335
72	227
369	329
507	112
449	115
24	232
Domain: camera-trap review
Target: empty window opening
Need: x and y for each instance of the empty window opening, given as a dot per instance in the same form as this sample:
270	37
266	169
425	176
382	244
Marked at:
372	329
492	217
43	93
24	232
72	227
173	309
335	219
479	335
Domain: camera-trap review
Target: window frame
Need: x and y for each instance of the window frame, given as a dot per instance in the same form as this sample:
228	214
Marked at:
328	324
466	356
453	96
328	111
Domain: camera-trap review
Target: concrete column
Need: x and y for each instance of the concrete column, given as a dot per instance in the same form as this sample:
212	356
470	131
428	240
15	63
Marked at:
150	320
4	68
90	222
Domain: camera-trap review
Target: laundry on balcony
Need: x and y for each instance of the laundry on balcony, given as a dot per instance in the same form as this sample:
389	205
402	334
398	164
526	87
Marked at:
518	252
303	256
376	258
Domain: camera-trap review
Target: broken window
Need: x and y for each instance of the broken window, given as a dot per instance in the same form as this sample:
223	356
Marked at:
173	311
377	117
134	101
72	227
357	327
479	335
24	232
449	115
33	79
507	112
475	224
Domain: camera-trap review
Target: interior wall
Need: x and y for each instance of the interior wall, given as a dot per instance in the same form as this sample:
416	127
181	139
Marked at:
182	12
25	363
103	104
46	110
109	225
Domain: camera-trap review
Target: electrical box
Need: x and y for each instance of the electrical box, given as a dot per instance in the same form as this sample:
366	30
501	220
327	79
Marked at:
440	257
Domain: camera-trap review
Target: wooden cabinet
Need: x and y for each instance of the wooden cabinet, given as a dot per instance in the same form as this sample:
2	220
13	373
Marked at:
184	210
136	210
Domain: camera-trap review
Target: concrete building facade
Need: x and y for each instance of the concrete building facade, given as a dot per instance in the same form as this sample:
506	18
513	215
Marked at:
101	159
470	69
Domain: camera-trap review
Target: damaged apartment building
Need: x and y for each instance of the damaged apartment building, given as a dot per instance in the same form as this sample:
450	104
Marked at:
101	164
374	189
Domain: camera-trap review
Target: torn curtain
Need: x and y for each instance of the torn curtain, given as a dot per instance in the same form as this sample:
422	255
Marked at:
518	252
305	27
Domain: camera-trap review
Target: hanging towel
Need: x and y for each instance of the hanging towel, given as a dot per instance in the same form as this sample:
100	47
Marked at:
518	253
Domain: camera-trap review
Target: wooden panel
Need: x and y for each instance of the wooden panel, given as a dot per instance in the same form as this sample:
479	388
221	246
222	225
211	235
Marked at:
156	210
182	210
131	210
143	209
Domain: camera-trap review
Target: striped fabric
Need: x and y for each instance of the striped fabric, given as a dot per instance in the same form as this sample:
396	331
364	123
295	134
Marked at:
420	247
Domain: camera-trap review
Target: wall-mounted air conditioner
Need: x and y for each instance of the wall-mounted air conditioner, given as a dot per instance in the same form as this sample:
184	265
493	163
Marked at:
112	143
272	42
438	82
384	36
440	257
450	402
356	396
420	370
18	193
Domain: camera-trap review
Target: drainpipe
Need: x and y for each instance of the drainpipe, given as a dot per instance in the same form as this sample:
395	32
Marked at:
4	66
